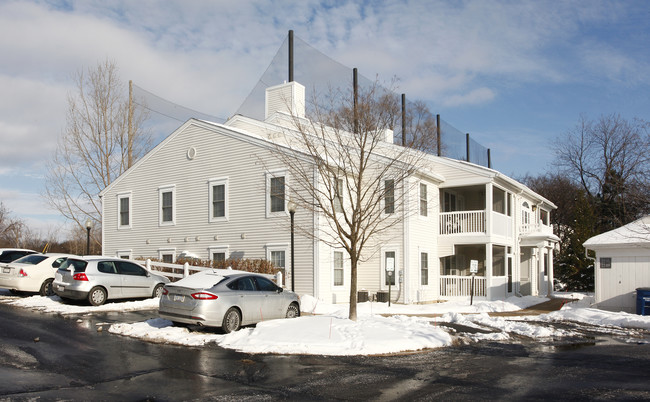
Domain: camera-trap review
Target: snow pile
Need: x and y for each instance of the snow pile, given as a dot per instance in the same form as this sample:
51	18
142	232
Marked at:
314	335
597	317
54	304
312	305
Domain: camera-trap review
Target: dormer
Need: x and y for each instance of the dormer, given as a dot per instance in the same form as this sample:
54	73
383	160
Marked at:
288	97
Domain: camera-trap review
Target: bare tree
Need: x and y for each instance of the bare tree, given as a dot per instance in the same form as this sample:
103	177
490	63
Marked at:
11	228
103	137
610	159
344	167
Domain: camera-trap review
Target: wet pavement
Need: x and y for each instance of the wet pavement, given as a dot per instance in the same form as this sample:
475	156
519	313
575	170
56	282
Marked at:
50	357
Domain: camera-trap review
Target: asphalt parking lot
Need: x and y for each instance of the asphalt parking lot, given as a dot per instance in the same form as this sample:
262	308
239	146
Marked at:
50	357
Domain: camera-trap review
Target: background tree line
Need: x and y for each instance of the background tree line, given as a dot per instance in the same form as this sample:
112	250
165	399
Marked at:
601	182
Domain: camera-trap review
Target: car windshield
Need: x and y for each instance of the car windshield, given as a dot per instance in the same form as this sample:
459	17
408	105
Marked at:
77	265
31	259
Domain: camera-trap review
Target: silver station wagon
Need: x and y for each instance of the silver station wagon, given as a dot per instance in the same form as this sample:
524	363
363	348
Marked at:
226	299
98	278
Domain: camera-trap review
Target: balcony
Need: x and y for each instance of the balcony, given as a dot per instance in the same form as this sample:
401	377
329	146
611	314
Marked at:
462	222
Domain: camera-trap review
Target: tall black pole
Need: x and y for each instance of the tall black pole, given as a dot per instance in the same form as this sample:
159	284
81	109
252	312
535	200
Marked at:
293	282
88	240
467	145
489	159
356	95
291	56
403	120
438	135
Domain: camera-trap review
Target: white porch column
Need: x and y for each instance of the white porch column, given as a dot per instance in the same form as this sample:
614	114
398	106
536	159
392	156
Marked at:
488	209
550	274
488	271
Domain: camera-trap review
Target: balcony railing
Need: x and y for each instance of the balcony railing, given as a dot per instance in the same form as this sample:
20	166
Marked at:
451	285
535	227
462	222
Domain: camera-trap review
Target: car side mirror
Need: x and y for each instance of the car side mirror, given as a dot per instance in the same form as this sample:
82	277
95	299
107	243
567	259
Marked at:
280	290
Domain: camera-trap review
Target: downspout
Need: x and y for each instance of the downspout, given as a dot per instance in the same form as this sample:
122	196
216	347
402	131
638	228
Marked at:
316	231
405	248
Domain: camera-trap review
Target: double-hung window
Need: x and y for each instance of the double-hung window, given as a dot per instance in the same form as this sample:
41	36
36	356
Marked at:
389	196
424	205
337	261
276	193
218	199
167	195
424	269
124	210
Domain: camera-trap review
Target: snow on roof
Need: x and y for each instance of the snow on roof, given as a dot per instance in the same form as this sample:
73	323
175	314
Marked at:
635	234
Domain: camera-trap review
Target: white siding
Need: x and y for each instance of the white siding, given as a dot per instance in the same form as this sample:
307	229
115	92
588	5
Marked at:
218	155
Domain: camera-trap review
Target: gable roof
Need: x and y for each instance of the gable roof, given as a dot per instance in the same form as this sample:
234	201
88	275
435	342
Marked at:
635	234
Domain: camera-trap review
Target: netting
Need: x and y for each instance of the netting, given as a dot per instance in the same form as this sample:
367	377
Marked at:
321	76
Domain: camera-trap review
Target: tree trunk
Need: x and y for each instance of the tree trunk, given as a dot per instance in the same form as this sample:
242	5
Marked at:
353	288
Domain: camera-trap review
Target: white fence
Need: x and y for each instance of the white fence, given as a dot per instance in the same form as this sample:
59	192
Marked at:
462	222
177	271
451	285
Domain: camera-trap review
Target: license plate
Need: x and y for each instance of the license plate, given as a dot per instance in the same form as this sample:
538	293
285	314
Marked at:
179	298
6	270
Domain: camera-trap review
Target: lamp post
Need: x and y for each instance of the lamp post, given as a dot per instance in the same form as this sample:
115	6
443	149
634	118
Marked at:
292	210
89	225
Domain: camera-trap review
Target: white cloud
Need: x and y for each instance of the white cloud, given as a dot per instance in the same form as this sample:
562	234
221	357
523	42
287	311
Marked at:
476	96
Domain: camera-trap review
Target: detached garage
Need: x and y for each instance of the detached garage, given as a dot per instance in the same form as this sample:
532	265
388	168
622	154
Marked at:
622	265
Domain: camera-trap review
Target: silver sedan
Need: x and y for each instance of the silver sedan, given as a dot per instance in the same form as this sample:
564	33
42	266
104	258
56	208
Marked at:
226	299
98	278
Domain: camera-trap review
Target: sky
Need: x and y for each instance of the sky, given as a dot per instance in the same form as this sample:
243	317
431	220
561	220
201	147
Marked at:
515	75
379	329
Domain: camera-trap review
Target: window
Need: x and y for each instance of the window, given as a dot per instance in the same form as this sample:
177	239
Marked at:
107	267
338	268
338	195
424	269
389	266
218	253
277	259
218	199
277	194
498	261
498	200
124	210
424	207
265	285
167	255
449	202
167	207
218	257
124	254
605	263
389	196
543	216
129	268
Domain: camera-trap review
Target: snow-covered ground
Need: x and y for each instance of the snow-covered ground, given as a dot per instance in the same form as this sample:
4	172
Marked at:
325	330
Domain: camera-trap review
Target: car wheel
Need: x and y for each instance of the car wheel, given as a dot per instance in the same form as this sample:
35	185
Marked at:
157	291
293	311
231	321
97	296
46	288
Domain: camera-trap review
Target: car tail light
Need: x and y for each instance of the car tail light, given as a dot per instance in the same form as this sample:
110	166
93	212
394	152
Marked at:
165	291
22	273
80	277
204	296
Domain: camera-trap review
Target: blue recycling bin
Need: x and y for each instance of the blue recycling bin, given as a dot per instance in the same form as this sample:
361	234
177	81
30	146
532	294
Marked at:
643	301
